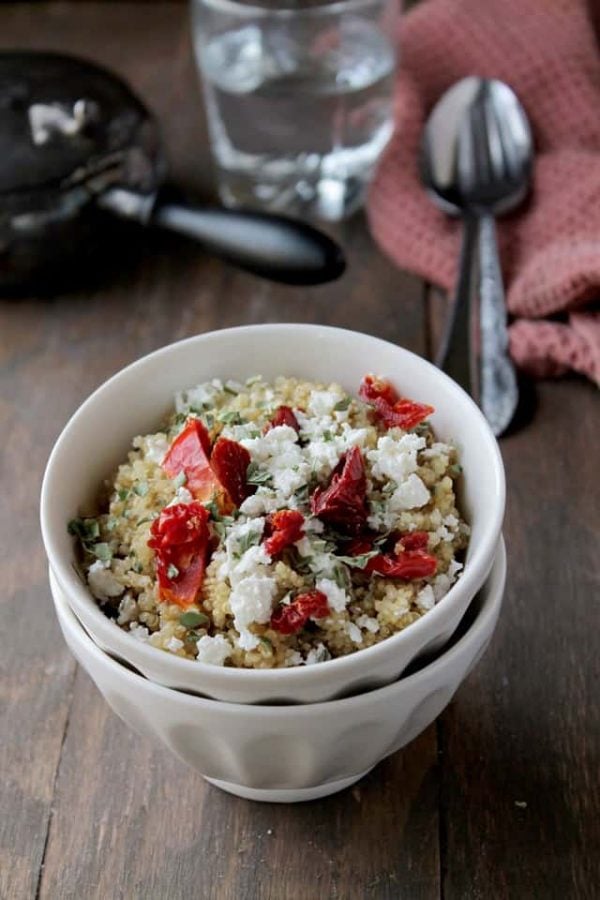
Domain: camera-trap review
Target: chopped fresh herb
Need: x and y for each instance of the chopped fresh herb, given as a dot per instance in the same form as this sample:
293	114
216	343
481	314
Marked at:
193	619
209	420
111	523
422	429
254	475
144	520
359	561
455	470
245	542
254	434
172	572
141	488
341	576
327	435
301	494
179	480
124	494
230	390
230	417
138	568
86	530
213	510
180	418
266	643
342	405
101	551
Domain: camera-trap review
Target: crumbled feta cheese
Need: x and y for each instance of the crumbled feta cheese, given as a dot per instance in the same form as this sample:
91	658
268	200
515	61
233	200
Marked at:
102	582
127	610
443	582
313	525
369	623
279	454
337	597
320	653
321	403
437	449
139	632
426	598
182	495
395	459
411	494
354	633
199	396
174	644
293	658
153	446
242	535
251	601
213	650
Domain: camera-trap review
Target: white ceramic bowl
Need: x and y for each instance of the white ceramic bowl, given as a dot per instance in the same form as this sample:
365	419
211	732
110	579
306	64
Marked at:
289	753
98	436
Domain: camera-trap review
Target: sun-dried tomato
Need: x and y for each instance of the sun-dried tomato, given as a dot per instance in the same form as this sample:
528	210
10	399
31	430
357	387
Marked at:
409	565
283	416
230	461
414	540
282	529
189	453
180	538
289	619
343	503
392	410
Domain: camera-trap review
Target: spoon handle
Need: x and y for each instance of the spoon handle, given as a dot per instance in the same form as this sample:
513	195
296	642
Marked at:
454	356
499	391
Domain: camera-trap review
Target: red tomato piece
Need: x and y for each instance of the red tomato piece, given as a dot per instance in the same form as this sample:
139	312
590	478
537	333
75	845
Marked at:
392	410
230	463
414	540
343	502
283	416
291	618
189	453
180	538
282	529
409	565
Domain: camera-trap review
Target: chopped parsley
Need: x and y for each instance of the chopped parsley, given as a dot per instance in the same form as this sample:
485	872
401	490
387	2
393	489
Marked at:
123	494
102	551
254	475
193	619
245	542
87	530
343	405
455	470
359	561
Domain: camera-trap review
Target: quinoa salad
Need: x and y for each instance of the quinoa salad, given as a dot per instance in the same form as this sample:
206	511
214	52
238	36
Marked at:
274	525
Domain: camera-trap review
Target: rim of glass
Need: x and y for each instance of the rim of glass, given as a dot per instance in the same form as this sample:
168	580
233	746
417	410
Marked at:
327	8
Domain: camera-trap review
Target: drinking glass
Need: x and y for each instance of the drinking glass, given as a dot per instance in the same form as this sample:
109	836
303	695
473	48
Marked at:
298	98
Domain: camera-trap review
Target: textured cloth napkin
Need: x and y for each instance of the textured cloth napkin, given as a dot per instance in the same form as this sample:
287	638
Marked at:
547	52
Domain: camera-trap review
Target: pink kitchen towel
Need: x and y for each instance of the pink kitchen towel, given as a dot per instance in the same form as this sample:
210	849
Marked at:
550	248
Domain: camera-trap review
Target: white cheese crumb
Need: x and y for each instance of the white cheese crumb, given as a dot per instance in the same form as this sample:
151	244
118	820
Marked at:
354	633
213	650
251	601
337	597
127	610
139	632
321	403
293	658
202	395
395	459
426	598
102	582
182	495
411	494
174	644
369	623
443	582
320	653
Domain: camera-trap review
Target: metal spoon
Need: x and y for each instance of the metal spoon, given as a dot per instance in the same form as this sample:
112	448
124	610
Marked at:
476	162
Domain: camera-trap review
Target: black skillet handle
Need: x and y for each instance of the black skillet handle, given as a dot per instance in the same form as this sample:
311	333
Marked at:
271	246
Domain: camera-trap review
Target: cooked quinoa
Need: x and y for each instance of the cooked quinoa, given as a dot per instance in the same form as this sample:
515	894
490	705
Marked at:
231	620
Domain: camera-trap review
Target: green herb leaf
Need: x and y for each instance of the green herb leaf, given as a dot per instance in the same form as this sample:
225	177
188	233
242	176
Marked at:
231	417
343	404
172	572
359	561
254	475
246	541
301	494
266	643
85	529
144	521
193	619
327	436
102	551
123	494
455	470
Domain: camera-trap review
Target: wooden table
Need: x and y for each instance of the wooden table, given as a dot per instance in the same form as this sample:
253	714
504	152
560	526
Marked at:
498	799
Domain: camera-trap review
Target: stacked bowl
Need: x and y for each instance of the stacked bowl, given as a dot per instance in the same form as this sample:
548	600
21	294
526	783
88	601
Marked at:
302	732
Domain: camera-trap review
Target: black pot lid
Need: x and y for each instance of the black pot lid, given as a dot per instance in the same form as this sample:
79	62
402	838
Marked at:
66	123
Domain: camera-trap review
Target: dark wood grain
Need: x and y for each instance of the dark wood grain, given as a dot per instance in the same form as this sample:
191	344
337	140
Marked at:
92	810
